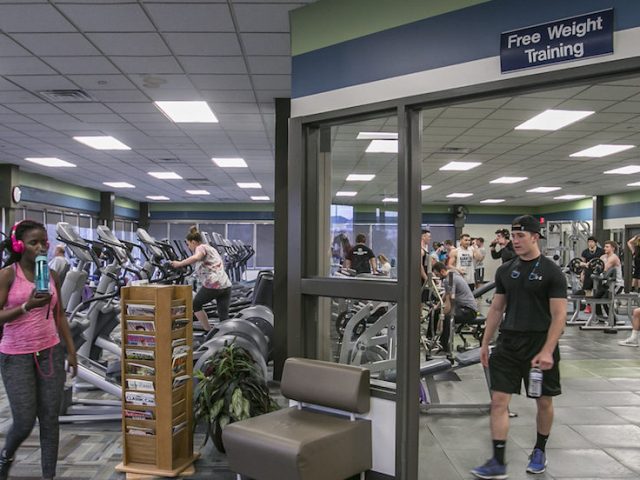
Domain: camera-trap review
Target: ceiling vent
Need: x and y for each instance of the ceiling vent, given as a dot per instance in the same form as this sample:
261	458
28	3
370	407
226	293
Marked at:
454	150
169	161
66	96
201	182
573	182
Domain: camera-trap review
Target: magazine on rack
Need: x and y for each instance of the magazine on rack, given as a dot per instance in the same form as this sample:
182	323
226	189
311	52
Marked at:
137	384
178	427
140	431
138	414
140	369
141	340
138	398
140	310
180	380
141	325
179	363
140	354
178	310
178	341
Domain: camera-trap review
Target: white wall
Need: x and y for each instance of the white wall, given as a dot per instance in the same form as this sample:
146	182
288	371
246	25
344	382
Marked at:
620	222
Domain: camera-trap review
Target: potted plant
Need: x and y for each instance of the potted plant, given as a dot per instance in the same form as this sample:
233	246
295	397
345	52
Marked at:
230	387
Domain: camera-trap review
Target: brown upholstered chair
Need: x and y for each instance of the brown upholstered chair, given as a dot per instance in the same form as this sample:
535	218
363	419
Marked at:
319	439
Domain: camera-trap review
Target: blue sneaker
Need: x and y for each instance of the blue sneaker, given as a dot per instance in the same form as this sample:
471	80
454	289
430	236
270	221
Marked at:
537	461
491	470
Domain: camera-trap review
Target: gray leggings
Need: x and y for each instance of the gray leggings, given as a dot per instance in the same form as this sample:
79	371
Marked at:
35	393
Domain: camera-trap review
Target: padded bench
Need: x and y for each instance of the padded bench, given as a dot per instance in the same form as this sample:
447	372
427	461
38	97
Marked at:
303	442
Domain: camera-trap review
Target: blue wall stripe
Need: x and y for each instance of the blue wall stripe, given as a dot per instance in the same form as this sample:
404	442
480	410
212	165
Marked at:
449	39
210	215
491	218
582	214
621	211
126	212
31	194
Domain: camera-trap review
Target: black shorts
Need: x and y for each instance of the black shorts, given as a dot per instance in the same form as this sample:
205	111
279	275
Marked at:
636	270
479	275
510	362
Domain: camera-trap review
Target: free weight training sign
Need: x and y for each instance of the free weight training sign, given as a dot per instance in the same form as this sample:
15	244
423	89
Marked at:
574	38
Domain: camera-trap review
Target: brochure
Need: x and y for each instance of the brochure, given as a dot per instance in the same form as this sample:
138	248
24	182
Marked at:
138	398
178	341
179	363
140	431
140	354
137	384
140	369
141	325
140	310
176	428
141	340
180	380
138	414
179	323
178	310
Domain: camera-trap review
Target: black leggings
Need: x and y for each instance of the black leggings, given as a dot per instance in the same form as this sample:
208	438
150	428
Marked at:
35	392
221	296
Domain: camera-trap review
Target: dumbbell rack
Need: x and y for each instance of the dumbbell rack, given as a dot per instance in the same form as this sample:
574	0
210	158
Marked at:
161	443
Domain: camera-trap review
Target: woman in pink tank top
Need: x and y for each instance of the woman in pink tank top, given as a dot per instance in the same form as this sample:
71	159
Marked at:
31	356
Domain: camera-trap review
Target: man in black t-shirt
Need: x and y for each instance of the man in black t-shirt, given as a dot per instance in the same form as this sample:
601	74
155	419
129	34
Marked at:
531	292
506	252
361	258
592	251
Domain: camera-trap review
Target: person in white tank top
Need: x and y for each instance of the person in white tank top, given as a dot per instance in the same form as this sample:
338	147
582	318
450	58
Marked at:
464	258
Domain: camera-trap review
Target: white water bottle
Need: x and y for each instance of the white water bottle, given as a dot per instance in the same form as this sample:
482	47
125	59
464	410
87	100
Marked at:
535	382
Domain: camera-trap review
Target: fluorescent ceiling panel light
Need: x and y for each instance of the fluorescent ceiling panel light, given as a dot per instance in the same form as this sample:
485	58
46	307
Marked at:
377	136
634	184
230	162
197	192
102	143
628	170
118	185
382	146
600	151
509	180
360	177
157	197
390	200
459	195
544	189
346	194
553	119
425	187
460	166
569	197
49	162
249	185
493	200
187	112
165	175
260	198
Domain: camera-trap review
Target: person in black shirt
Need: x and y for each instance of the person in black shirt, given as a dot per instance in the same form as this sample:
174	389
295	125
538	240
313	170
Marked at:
634	245
531	291
592	251
506	252
361	258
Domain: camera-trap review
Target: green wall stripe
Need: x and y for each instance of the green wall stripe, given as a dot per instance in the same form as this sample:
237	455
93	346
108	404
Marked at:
217	207
328	22
622	198
49	184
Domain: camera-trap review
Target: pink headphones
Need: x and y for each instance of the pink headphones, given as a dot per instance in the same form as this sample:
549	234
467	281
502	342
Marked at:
18	245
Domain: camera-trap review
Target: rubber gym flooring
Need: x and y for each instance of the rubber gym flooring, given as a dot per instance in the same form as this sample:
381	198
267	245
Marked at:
596	433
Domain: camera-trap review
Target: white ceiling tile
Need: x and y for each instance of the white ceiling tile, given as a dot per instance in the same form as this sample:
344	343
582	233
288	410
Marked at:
142	107
107	18
223	96
266	43
189	17
121	43
32	18
102	82
9	48
56	44
154	65
222	107
74	108
118	95
203	43
81	65
24	66
221	82
99	118
271	82
144	118
172	94
607	92
279	65
37	83
162	82
263	18
30	108
213	64
269	95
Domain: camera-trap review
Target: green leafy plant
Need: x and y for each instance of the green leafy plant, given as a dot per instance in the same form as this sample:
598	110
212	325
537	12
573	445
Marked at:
230	388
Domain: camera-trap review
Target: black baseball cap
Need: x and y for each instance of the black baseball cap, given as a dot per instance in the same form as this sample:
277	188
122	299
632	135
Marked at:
425	230
526	223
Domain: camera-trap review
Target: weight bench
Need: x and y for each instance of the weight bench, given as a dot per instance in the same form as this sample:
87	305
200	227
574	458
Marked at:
319	439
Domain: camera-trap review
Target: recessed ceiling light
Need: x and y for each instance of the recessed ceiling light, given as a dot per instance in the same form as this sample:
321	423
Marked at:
187	112
118	185
493	200
249	185
601	151
377	136
360	177
260	198
157	197
544	189
165	175
553	119
197	192
390	200
628	170
425	187
382	146
346	194
634	184
509	180
102	143
230	162
569	197
460	166
459	195
49	162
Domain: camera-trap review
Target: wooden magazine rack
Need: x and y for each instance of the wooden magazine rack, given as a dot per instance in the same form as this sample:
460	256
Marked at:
157	415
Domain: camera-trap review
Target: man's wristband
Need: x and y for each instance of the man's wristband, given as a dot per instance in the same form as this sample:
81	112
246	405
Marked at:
23	307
